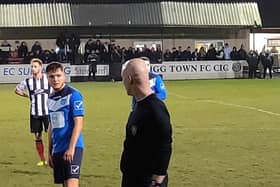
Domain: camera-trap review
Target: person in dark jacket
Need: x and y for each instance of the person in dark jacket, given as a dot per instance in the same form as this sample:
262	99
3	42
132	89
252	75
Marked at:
92	61
147	146
22	50
234	54
267	62
242	54
211	53
252	60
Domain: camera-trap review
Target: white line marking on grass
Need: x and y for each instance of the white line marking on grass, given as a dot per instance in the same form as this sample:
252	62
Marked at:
228	104
227	128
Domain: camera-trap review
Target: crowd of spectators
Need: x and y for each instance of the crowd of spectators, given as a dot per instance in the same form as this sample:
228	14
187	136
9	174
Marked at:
261	63
222	53
22	54
110	52
105	52
68	50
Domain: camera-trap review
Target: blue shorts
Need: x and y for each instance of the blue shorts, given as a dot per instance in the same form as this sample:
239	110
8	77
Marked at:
64	170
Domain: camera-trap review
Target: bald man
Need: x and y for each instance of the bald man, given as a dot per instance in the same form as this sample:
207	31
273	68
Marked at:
147	146
156	83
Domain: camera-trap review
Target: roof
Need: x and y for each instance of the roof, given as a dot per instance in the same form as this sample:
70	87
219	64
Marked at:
182	14
210	14
35	15
117	1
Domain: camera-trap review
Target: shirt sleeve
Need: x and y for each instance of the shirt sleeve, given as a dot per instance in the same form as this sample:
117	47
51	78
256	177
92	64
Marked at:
160	89
77	104
163	147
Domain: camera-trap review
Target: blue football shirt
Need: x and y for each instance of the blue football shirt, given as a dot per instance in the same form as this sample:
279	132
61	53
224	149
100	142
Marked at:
64	106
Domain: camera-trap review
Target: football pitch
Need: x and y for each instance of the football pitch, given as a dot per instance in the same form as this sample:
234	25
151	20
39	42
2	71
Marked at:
226	133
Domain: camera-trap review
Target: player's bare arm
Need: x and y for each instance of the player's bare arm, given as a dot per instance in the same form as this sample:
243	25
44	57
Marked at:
21	93
21	89
50	146
69	154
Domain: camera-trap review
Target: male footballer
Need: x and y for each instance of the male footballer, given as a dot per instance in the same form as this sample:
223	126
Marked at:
37	89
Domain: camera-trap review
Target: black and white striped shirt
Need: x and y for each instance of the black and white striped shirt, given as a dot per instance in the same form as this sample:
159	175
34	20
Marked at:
38	90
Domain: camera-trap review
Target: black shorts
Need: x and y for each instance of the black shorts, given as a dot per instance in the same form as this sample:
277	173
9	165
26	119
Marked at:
64	170
38	123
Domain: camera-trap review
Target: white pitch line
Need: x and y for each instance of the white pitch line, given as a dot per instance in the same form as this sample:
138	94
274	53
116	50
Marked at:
229	104
227	128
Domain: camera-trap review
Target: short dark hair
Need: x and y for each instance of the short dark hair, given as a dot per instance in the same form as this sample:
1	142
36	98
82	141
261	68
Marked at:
54	66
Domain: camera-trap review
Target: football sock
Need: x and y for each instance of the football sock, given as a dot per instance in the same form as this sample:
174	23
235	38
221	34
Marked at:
40	149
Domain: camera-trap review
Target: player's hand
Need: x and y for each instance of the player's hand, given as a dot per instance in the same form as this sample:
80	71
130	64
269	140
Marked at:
158	179
69	155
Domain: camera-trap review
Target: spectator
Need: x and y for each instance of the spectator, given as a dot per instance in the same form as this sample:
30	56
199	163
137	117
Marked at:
174	53
179	54
195	54
116	55
267	62
252	60
234	54
152	56
92	61
53	56
105	57
36	48
128	53
158	54
211	53
60	41
242	54
23	50
220	54
46	56
99	48
37	54
5	50
88	48
187	54
227	51
201	53
167	56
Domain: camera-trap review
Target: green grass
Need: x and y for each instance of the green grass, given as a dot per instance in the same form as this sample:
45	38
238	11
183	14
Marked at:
226	134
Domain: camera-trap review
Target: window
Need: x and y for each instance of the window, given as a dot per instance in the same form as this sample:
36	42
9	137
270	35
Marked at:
206	43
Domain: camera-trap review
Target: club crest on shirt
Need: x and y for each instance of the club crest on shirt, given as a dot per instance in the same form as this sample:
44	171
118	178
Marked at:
78	105
133	130
63	101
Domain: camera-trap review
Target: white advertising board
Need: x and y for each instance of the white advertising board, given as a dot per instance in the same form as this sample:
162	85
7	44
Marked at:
18	72
199	69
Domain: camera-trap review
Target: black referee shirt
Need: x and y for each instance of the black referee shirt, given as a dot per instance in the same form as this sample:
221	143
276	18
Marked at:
147	146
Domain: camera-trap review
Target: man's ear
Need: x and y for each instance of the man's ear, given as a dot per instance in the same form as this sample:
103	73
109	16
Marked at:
130	80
